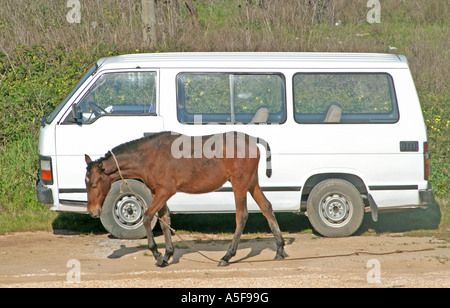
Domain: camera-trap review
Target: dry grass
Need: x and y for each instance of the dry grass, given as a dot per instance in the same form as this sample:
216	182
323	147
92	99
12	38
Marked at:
282	25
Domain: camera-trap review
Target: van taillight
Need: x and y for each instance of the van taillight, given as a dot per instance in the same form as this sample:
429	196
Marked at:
46	170
426	158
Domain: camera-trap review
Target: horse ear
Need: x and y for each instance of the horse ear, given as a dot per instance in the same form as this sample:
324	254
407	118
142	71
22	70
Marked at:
87	159
100	167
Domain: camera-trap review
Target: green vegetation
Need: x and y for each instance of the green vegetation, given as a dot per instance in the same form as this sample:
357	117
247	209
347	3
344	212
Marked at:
42	56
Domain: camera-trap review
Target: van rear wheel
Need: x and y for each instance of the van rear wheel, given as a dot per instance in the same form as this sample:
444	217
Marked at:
335	208
123	212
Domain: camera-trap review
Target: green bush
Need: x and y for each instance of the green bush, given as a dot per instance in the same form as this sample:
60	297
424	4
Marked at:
34	81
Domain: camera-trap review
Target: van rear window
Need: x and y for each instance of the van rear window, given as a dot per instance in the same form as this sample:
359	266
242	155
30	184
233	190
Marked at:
344	98
231	98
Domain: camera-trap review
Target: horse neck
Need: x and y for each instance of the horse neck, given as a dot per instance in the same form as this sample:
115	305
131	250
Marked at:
125	167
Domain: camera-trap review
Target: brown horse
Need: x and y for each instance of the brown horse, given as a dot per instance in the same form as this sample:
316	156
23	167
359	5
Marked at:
169	162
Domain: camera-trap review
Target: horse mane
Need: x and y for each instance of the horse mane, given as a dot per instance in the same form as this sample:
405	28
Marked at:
125	147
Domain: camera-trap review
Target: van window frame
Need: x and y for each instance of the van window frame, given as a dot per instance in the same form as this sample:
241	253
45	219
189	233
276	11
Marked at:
69	120
392	93
234	73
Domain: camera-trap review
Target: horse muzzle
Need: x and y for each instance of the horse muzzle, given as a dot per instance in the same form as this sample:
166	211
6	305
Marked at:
96	212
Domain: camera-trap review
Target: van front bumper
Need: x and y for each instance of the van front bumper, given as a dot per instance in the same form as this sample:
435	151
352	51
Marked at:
43	193
426	196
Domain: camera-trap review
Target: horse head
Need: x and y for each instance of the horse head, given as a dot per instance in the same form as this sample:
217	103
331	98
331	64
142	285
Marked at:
98	183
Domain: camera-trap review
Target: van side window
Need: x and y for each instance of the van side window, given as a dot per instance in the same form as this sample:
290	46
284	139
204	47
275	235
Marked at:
120	94
344	98
231	98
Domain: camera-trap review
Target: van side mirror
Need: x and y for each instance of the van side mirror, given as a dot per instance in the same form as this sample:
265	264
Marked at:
76	115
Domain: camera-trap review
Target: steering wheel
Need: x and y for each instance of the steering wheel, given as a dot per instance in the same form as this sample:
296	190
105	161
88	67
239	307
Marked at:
96	108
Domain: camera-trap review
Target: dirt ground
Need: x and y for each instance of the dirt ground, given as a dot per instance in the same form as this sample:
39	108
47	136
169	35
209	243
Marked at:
61	259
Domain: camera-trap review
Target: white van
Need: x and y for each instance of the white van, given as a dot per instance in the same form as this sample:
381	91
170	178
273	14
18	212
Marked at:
346	131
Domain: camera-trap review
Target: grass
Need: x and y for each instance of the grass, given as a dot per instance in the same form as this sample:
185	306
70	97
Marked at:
42	56
19	209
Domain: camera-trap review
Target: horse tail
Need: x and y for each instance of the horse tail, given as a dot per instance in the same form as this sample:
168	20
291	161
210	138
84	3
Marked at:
265	144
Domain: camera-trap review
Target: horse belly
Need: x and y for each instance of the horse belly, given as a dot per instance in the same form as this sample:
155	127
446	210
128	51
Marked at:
198	178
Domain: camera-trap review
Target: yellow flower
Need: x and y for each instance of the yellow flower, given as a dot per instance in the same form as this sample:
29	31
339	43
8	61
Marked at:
201	93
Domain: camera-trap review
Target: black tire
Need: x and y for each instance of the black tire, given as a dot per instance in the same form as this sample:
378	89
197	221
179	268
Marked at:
335	208
122	213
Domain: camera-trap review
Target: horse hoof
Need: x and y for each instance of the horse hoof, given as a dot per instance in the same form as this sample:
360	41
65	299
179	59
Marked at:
223	263
162	264
159	260
278	257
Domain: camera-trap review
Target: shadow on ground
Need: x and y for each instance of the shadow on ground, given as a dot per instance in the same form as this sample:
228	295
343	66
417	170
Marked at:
256	246
417	219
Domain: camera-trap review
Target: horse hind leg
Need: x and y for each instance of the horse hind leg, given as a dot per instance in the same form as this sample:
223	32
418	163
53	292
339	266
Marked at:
241	219
267	211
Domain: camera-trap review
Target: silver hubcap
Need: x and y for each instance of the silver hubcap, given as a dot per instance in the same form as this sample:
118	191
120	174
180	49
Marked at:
128	212
335	210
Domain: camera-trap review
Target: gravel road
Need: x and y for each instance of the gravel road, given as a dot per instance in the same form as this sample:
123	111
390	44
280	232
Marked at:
61	259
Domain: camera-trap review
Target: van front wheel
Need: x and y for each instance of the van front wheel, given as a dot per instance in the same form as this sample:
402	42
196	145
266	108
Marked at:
123	211
335	208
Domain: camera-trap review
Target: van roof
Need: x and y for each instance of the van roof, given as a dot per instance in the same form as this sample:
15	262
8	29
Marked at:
269	60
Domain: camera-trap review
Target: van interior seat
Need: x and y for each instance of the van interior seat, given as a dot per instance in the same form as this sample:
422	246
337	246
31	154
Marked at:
261	115
333	113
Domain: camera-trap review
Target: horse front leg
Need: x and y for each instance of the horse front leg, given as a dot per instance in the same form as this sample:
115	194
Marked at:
241	220
164	215
158	202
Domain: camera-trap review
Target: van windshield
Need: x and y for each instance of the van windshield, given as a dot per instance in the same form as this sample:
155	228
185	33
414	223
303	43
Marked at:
51	116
